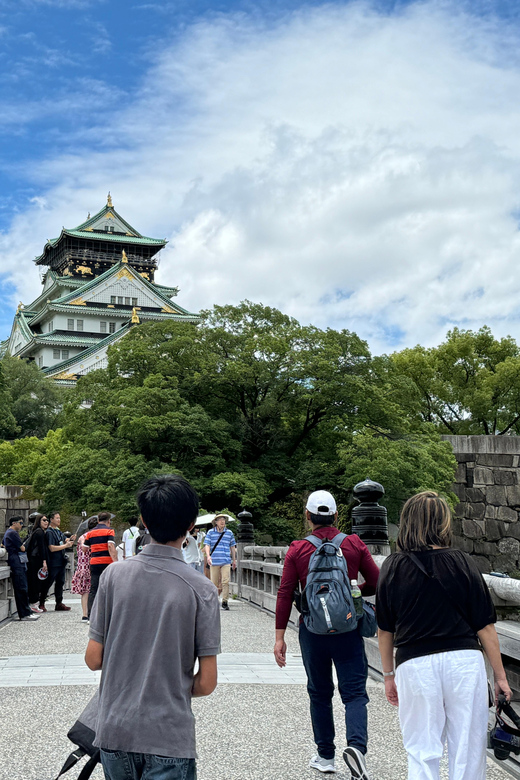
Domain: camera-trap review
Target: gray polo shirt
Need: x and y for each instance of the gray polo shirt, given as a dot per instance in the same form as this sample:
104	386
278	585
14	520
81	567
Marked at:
154	615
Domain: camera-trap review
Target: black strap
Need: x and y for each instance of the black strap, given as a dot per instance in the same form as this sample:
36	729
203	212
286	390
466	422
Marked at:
217	542
89	767
73	759
453	603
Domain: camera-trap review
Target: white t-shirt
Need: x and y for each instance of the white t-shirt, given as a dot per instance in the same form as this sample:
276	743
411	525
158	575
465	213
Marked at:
129	539
191	552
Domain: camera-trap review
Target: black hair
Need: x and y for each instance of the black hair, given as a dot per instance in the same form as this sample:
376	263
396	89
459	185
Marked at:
15	519
37	519
92	522
51	515
104	517
322	519
168	505
132	520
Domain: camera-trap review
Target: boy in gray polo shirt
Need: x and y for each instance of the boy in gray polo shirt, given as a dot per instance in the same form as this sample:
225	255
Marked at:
156	615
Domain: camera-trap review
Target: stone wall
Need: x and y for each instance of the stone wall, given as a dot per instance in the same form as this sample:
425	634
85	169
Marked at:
12	503
487	483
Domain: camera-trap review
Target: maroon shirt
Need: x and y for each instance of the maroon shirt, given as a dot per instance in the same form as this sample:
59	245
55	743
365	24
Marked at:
296	566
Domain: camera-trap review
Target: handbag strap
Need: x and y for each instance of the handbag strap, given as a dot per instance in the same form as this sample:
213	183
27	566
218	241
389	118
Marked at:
453	603
72	760
217	542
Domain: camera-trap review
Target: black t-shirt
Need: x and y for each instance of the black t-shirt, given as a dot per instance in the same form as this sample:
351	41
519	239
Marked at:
419	613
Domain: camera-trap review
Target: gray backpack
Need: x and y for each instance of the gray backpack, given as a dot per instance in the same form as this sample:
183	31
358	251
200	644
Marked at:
327	603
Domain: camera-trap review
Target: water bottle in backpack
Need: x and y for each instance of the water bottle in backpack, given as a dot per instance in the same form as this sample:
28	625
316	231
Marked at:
357	597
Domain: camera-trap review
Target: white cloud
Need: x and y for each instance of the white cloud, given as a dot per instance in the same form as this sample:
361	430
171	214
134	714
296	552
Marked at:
353	168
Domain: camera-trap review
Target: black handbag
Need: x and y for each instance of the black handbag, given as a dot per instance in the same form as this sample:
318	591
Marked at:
82	734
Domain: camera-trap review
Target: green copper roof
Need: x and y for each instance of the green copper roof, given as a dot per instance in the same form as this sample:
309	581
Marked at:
113	237
115	269
109	209
74	339
86	231
59	367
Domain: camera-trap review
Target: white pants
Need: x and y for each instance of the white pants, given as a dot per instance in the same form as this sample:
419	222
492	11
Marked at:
443	698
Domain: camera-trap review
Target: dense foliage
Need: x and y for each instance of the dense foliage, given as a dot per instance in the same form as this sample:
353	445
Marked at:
251	406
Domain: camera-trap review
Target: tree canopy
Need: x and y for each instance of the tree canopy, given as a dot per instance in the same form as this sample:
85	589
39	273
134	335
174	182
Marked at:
253	407
470	384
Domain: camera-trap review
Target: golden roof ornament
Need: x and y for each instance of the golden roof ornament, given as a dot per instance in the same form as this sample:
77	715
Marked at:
20	306
109	201
135	316
124	259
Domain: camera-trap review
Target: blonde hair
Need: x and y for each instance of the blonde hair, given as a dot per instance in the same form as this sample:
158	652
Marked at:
425	521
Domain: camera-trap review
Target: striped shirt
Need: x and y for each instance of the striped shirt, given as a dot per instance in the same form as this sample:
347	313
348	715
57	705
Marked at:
98	540
222	554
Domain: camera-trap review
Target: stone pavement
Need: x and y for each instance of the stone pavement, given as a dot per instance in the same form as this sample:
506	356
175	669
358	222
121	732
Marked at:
255	726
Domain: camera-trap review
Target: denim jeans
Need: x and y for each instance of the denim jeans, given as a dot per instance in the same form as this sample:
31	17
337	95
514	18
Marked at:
347	653
119	765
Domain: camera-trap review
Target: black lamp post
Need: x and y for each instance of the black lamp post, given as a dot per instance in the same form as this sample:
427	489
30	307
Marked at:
369	520
245	529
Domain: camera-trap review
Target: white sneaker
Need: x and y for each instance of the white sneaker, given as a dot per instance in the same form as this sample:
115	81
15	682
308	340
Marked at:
35	608
323	764
30	617
355	760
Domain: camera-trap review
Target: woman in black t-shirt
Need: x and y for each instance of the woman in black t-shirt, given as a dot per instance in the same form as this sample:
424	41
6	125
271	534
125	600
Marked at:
433	606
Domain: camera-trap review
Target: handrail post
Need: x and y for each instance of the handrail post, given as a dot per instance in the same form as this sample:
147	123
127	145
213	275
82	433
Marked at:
245	536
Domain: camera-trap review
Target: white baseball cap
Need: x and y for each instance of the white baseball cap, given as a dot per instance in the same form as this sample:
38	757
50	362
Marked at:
321	502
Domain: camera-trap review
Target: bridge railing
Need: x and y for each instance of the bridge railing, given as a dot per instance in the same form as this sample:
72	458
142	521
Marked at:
7	600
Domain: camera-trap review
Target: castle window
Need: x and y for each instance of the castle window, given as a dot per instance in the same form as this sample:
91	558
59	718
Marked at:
56	354
112	299
102	327
64	354
40	362
111	327
134	301
120	300
70	324
51	326
127	301
79	324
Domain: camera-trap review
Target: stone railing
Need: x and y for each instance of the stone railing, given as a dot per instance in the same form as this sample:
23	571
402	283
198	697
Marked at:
257	580
259	572
7	601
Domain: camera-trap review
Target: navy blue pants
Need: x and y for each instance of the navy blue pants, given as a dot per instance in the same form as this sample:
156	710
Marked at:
347	653
21	595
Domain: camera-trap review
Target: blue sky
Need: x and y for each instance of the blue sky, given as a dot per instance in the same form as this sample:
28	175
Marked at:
288	151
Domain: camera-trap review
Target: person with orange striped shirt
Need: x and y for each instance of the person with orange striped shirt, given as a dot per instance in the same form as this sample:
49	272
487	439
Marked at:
101	541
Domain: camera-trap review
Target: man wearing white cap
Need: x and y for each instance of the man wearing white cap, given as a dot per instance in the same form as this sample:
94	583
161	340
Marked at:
320	651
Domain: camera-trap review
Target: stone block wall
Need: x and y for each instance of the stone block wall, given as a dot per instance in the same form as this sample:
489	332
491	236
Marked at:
13	503
487	484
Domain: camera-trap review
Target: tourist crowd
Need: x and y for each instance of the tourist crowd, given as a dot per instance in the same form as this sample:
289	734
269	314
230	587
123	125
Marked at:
434	613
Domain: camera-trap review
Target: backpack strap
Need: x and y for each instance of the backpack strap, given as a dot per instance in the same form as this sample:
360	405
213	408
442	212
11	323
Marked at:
337	540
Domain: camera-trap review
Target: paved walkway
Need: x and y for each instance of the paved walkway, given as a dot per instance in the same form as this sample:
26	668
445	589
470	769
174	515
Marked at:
254	727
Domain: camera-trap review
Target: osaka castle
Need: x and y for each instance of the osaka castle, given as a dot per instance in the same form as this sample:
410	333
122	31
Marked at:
98	284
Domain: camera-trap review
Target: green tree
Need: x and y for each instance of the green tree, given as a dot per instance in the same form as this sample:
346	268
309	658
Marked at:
35	400
470	384
8	425
404	464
